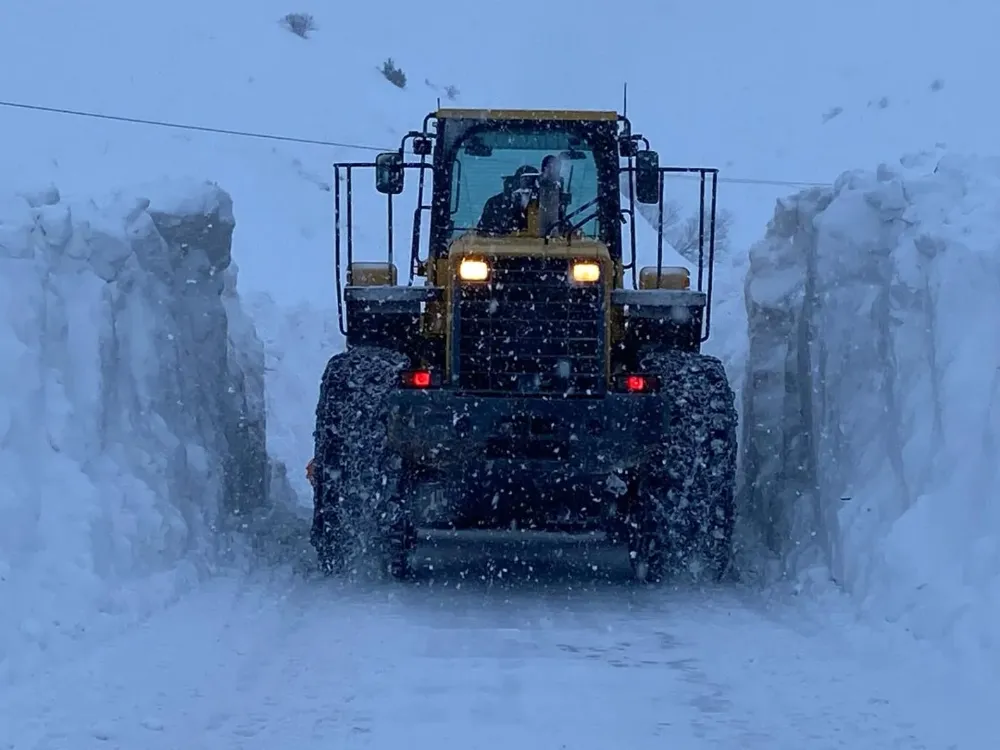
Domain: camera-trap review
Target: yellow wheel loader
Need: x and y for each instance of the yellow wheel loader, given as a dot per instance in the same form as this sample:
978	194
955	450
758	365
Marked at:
527	373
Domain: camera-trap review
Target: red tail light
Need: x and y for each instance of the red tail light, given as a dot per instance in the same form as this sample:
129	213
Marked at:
637	383
418	379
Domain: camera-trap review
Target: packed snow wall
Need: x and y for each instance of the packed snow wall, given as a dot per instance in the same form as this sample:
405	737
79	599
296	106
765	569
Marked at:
131	408
870	408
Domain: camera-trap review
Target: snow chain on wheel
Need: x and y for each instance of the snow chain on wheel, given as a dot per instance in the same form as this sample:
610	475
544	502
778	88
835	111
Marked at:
685	497
356	514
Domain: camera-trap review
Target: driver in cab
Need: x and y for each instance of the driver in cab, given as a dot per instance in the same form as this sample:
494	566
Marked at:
504	213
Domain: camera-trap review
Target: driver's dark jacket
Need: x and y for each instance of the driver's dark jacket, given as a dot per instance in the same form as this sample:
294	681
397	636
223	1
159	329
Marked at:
502	214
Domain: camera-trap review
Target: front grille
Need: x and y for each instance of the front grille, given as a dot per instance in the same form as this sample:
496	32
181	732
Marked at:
529	330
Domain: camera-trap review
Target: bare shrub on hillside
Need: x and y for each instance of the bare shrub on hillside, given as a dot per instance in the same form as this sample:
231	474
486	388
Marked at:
300	24
684	236
393	74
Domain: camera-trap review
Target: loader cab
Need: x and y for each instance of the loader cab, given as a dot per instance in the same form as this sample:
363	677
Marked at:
505	198
553	173
544	177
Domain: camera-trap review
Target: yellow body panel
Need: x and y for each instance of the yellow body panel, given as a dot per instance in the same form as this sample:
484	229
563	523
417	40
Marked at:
438	320
523	244
525	114
440	272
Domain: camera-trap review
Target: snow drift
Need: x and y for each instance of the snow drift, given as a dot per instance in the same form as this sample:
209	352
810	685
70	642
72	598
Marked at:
131	407
871	413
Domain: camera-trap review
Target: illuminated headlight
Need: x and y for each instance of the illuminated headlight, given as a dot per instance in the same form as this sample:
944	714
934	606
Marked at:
586	272
473	270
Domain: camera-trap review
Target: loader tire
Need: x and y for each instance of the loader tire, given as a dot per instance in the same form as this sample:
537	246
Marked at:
355	517
684	497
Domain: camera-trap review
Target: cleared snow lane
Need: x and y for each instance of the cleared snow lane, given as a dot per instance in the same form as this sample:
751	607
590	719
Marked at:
572	662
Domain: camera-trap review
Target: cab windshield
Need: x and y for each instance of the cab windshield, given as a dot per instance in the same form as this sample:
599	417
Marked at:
497	172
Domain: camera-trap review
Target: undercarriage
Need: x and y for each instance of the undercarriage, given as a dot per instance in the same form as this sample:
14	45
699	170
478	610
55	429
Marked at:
652	471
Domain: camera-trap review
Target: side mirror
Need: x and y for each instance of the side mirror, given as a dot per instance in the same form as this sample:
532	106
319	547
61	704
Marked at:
389	173
647	177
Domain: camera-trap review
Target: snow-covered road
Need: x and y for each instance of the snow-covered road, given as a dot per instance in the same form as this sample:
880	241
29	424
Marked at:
534	661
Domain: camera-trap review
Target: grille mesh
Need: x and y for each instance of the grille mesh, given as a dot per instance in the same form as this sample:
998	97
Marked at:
529	330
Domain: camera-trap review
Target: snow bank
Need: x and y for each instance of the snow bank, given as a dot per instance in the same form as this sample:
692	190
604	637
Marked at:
871	413
298	341
131	408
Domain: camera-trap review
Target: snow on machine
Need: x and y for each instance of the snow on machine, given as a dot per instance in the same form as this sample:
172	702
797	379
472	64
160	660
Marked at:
528	374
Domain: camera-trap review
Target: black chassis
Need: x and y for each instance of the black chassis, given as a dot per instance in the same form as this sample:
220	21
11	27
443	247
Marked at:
529	462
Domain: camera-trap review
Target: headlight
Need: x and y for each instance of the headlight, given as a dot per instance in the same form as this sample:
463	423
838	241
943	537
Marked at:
586	272
473	270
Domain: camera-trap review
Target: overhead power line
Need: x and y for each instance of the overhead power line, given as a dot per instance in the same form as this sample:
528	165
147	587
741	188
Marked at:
181	126
307	141
752	181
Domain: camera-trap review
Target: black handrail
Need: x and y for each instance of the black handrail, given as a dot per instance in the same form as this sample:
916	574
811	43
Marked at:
705	281
341	243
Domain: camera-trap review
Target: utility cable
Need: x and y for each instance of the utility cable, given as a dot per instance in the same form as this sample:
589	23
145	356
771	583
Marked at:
314	141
